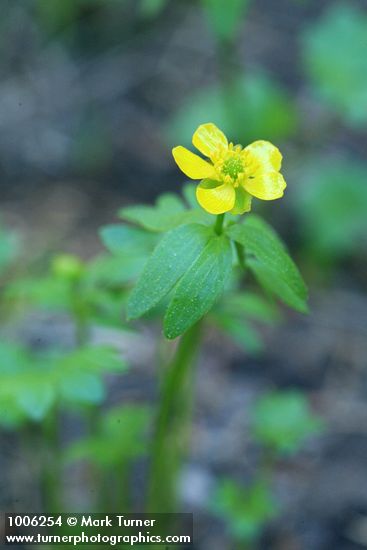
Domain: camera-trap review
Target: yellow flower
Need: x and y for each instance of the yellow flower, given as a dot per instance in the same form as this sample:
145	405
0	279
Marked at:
234	175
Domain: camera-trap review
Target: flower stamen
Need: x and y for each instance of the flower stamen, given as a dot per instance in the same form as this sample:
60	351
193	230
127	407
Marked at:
232	166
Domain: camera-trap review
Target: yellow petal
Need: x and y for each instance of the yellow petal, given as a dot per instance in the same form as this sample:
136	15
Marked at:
209	139
215	198
266	186
242	203
192	165
266	154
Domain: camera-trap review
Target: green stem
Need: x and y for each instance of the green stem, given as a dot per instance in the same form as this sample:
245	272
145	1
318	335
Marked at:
218	227
170	437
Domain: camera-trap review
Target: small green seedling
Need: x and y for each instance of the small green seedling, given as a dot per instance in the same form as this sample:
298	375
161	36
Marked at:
282	421
245	510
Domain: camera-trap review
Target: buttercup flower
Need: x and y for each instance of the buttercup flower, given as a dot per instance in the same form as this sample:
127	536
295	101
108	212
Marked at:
234	175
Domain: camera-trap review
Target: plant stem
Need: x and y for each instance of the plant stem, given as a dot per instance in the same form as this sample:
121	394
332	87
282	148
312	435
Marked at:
218	227
170	437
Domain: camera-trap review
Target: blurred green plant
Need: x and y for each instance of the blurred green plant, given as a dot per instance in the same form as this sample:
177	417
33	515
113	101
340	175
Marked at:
244	510
38	383
120	436
120	439
58	15
34	384
225	18
281	423
335	59
236	315
9	249
331	206
254	106
92	292
152	8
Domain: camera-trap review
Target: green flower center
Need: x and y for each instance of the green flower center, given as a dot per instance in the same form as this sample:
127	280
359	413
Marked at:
232	167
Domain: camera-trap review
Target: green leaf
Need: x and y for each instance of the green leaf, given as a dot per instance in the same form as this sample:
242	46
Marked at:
333	188
121	436
107	307
11	416
35	398
114	271
82	387
14	359
127	420
200	287
172	257
251	306
93	359
245	509
130	247
97	450
123	239
168	213
46	292
236	309
336	61
267	257
225	16
283	421
241	332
